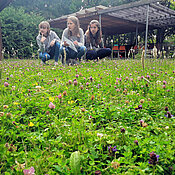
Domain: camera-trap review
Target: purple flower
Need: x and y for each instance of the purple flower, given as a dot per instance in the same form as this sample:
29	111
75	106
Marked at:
164	82
112	150
77	76
166	108
98	172
123	130
91	78
168	115
59	96
136	142
30	171
153	158
6	84
51	105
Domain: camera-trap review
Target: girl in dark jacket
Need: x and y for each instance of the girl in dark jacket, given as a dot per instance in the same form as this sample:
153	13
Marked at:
94	42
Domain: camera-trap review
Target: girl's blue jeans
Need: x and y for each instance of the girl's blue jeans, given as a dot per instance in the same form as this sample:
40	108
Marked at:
53	53
71	54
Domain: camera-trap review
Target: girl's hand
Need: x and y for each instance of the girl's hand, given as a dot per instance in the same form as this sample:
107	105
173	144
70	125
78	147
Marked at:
43	38
65	43
52	43
75	42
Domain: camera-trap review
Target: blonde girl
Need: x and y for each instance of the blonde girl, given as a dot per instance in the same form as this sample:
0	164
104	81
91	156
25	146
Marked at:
72	41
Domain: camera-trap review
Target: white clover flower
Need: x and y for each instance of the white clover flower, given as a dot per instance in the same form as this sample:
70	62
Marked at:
158	82
38	87
99	135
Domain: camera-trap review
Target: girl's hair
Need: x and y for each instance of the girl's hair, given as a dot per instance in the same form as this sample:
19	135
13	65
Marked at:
98	35
77	26
45	24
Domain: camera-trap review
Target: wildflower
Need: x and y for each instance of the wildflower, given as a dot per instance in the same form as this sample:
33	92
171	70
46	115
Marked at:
112	150
47	112
163	86
169	115
6	84
64	93
70	82
77	76
153	158
7	145
127	102
1	114
167	127
136	142
30	171
75	83
166	108
5	106
51	105
87	84
164	82
92	97
9	114
31	124
90	78
83	109
98	172
127	78
55	79
123	130
99	135
51	99
115	165
143	124
139	107
59	96
81	87
142	101
38	87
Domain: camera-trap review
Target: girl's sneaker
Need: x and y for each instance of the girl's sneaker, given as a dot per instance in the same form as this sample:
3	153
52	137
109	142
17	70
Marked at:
56	63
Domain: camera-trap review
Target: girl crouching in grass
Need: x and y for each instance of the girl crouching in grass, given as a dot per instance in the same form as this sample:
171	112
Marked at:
48	42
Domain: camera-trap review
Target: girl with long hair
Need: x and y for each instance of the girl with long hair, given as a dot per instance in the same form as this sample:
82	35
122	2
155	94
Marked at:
72	41
94	42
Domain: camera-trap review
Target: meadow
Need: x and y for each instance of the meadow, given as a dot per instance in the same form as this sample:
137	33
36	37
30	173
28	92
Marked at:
106	117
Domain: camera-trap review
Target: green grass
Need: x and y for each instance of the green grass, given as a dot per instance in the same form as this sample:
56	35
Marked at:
88	116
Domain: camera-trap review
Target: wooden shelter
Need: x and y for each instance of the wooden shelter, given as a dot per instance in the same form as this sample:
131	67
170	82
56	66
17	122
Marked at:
3	4
131	17
124	18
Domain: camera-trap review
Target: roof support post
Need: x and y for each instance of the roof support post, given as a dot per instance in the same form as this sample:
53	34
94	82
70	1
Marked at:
146	34
100	19
136	34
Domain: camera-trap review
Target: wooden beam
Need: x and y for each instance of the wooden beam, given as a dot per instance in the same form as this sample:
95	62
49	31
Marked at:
125	6
4	3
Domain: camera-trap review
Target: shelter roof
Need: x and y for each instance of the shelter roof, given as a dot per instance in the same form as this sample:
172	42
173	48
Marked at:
123	18
4	3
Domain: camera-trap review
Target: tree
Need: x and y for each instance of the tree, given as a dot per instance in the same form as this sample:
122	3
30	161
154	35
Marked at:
19	30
